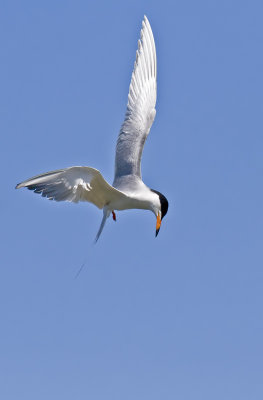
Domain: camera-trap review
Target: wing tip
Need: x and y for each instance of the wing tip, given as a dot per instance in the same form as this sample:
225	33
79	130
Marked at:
146	22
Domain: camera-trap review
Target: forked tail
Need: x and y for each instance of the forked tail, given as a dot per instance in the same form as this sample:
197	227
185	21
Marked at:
106	213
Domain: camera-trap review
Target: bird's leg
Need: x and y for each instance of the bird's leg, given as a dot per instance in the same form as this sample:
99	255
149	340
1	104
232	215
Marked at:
113	216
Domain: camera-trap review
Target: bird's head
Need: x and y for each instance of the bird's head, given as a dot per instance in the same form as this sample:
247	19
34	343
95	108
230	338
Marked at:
160	209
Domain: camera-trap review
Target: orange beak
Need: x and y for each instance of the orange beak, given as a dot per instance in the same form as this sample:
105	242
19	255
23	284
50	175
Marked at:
158	224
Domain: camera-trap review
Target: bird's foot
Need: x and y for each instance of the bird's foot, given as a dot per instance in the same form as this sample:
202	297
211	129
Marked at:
113	216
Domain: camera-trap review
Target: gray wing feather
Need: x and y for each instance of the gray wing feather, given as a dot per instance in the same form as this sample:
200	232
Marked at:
74	184
140	111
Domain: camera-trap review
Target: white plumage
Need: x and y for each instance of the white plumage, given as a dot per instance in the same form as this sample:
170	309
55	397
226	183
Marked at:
140	111
74	184
128	190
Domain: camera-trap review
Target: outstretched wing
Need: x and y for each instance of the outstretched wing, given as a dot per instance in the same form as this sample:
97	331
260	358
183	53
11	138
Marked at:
74	184
141	111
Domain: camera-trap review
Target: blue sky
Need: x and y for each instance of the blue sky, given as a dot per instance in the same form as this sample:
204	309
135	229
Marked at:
177	317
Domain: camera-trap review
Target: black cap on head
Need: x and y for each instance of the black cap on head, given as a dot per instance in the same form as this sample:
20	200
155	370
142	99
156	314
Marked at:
163	201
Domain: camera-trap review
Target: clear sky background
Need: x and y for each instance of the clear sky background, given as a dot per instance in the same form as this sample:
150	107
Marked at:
177	317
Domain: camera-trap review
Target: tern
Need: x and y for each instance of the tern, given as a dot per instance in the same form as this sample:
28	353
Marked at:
128	191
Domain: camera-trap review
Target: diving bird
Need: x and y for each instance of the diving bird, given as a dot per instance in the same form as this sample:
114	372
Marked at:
128	190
